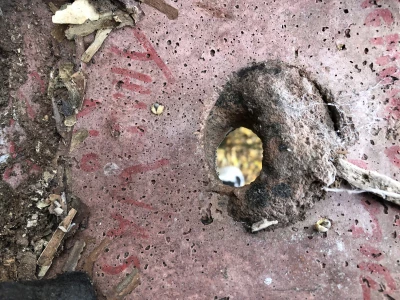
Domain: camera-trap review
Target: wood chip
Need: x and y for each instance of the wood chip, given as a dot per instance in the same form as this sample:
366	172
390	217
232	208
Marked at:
262	225
105	21
101	35
74	256
369	181
46	258
94	255
52	7
78	137
76	13
168	10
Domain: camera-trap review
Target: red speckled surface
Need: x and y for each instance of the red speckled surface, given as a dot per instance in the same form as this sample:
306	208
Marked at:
143	176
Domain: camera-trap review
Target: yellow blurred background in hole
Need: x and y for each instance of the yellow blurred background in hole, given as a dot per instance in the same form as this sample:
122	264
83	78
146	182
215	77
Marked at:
241	148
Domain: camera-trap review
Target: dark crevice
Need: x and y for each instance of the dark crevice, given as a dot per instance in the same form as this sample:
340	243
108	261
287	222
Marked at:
334	113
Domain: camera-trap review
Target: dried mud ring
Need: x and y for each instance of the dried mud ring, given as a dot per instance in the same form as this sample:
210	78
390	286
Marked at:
300	130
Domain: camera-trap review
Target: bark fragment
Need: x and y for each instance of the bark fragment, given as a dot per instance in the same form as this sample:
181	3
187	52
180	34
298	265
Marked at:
46	258
101	35
369	181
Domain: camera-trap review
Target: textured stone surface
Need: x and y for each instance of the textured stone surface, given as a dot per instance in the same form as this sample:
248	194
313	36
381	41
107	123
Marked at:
150	202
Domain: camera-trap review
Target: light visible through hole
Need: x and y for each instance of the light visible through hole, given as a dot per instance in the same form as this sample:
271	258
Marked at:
239	157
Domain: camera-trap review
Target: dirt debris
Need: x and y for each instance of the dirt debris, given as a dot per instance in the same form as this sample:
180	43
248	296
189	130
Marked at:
28	133
74	256
46	258
103	16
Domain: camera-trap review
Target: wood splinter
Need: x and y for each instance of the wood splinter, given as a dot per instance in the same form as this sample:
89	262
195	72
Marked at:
262	225
368	181
46	258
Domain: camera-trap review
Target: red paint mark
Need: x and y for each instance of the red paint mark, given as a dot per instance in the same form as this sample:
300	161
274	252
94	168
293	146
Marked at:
394	108
367	283
34	168
393	153
373	210
153	54
357	231
132	87
87	107
118	96
128	172
393	92
114	270
7	173
391	41
137	130
150	54
378	17
138	204
140	105
29	109
35	75
371	252
377	41
124	226
383	60
378	269
12	122
93	133
359	163
90	162
12	149
389	72
131	54
132	74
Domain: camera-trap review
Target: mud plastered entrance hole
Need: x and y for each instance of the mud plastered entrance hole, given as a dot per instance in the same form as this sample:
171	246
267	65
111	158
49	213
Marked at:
301	130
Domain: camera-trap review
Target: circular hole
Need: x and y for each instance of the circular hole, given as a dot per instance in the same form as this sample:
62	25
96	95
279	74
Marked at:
239	157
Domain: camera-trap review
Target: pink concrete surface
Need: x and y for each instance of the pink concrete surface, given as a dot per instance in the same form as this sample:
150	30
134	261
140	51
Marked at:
143	176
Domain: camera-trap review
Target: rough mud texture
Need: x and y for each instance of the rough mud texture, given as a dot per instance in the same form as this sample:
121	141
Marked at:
287	111
28	139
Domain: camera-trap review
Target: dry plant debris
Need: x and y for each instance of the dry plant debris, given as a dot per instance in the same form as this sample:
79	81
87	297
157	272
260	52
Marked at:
75	13
74	256
101	35
46	258
162	6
